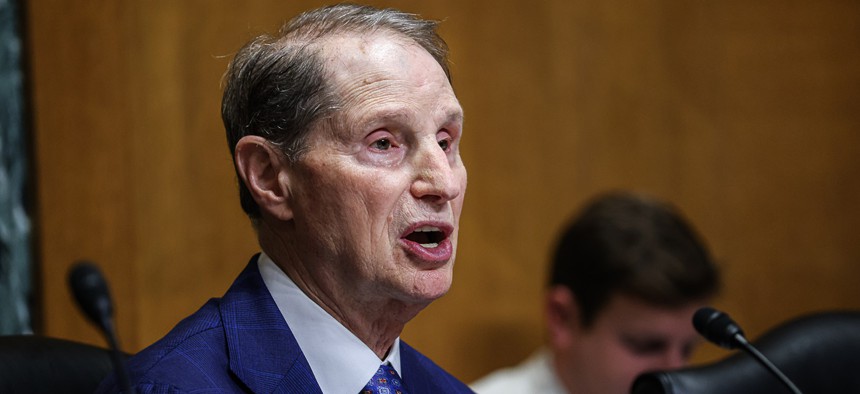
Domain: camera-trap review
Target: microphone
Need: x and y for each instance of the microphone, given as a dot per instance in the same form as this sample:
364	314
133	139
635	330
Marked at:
718	328
91	293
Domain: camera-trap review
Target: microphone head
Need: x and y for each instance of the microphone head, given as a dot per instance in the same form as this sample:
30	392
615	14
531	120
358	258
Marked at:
90	290
717	327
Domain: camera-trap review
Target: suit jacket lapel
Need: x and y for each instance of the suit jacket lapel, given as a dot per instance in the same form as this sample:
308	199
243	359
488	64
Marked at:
416	377
263	352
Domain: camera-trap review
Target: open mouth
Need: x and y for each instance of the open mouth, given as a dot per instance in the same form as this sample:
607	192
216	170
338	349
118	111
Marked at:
427	236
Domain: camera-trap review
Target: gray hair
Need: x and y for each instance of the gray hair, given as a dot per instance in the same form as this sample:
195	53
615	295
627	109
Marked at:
276	86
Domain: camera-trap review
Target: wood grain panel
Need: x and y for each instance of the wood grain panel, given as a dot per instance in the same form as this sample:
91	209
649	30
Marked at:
83	155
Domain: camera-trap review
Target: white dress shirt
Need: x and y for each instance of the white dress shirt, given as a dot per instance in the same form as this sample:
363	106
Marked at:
341	362
534	375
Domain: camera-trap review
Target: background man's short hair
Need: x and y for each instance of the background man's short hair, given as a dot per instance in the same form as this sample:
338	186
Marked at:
633	245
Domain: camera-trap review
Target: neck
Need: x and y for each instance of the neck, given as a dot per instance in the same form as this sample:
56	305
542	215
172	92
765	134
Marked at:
374	318
561	372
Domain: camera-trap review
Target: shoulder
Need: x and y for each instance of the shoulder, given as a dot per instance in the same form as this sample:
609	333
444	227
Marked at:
424	376
201	334
197	352
192	354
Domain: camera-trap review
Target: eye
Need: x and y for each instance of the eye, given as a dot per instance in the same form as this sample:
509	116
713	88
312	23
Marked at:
381	144
645	346
445	141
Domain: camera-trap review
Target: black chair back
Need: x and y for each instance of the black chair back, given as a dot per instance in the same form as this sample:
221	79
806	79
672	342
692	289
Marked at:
36	364
820	353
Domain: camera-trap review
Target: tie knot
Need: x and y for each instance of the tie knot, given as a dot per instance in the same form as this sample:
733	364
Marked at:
384	381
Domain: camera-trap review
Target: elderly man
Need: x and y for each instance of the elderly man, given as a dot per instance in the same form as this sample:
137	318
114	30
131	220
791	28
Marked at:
345	134
628	275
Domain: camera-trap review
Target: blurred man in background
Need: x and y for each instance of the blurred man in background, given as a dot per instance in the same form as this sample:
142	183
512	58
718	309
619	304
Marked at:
627	276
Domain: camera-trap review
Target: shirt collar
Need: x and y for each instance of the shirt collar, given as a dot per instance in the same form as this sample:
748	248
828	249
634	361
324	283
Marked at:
341	362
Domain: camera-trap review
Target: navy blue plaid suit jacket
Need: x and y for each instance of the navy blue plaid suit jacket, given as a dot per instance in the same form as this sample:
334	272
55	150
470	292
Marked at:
241	343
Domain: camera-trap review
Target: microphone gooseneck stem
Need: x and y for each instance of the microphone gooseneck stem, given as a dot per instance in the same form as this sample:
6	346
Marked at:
764	361
117	357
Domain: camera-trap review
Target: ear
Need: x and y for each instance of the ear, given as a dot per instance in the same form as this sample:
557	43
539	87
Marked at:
263	170
562	316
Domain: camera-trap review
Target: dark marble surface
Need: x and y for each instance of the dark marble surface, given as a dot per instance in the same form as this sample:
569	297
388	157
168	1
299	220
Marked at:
15	252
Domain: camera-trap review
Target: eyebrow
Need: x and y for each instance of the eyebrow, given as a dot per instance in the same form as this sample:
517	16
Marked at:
452	115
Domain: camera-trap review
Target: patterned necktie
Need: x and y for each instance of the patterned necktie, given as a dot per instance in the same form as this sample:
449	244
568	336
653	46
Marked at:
384	381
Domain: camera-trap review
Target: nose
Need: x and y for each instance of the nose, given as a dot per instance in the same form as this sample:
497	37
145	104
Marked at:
674	360
438	176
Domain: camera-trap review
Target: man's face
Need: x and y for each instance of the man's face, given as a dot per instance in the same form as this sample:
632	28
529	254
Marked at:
627	338
377	197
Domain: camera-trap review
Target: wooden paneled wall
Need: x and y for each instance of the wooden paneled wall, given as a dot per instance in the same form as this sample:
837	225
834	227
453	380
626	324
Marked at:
743	113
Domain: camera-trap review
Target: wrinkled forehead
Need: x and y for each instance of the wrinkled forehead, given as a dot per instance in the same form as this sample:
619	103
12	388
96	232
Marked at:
369	71
367	57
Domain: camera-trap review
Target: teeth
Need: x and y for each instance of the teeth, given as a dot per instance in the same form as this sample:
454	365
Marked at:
430	238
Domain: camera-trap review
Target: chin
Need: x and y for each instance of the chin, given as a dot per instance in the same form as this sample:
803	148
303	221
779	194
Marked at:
431	285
